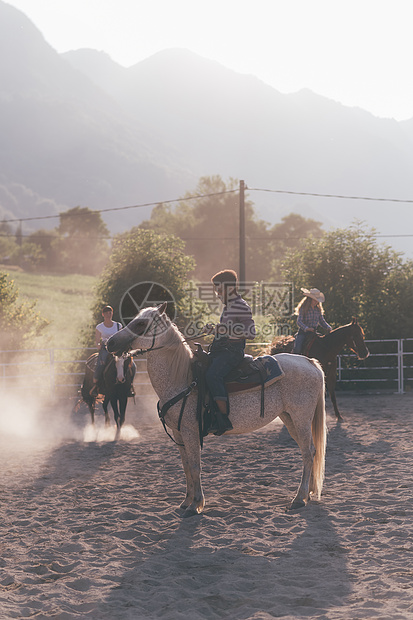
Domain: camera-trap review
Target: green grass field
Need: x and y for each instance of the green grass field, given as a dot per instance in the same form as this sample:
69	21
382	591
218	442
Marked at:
64	300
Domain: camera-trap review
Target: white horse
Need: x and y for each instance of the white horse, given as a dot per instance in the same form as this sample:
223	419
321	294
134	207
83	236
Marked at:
297	398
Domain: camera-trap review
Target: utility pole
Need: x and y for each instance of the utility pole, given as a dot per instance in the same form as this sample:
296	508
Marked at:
241	275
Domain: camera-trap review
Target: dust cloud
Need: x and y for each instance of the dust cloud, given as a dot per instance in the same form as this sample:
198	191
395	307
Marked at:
30	424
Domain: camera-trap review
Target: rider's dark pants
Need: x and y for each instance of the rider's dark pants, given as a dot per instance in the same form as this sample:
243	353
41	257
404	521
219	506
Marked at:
299	341
225	355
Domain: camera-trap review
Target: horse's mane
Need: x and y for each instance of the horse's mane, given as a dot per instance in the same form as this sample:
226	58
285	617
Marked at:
180	355
284	344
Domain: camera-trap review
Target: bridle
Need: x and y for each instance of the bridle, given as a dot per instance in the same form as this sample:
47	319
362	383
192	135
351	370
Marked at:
182	396
157	320
352	344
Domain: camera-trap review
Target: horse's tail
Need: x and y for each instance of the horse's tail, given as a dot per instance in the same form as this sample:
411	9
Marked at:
319	432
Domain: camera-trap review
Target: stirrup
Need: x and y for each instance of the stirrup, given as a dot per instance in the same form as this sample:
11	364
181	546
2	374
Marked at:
224	424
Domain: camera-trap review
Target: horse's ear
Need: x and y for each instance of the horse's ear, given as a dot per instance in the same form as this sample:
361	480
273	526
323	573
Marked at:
162	307
354	321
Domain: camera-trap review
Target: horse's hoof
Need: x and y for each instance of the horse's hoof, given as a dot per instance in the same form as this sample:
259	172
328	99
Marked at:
190	512
296	505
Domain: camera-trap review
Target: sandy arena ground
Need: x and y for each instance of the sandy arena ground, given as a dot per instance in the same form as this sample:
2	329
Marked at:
90	527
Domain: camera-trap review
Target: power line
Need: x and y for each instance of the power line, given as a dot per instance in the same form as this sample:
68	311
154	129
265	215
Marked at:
198	196
214	238
282	191
146	204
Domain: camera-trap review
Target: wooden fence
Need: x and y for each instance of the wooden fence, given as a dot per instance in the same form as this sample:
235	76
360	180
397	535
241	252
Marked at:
59	372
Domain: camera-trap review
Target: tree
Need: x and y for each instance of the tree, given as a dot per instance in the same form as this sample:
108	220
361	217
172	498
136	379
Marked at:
47	242
7	241
5	227
81	246
209	225
287	235
78	245
359	278
19	321
28	255
140	258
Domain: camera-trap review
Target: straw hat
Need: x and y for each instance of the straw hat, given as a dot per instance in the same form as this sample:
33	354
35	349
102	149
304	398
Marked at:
314	293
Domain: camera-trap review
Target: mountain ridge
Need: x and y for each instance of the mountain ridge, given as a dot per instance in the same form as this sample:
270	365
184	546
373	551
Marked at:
80	130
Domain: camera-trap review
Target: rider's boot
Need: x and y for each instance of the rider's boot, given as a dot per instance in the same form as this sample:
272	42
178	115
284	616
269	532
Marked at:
221	414
224	423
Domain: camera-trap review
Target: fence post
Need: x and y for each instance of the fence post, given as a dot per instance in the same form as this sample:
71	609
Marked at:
400	361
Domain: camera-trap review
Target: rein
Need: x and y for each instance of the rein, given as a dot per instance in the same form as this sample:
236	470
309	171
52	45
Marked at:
341	337
143	351
162	346
162	411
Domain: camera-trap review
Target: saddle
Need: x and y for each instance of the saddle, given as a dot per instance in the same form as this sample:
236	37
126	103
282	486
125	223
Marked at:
252	374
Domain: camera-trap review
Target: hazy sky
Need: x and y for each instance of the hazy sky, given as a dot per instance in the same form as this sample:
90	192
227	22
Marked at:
358	52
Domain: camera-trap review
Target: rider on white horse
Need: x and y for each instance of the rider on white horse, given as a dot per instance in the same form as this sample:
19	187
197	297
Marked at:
235	326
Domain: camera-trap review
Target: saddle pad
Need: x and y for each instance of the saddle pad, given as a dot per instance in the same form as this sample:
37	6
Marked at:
274	373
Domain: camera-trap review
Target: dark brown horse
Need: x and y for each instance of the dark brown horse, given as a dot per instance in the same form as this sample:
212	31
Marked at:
325	349
118	376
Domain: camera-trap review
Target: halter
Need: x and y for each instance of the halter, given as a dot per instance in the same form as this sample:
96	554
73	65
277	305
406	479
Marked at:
354	346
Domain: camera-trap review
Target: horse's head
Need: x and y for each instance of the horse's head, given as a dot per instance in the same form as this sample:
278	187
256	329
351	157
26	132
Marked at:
120	367
141	332
355	340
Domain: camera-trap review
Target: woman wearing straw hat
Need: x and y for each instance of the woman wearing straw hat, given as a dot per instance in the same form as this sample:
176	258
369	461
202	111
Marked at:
310	314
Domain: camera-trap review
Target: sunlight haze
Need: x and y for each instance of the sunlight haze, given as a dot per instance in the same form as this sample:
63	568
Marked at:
356	52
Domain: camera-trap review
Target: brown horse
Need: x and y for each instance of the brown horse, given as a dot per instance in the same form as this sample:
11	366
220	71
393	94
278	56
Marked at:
118	376
325	349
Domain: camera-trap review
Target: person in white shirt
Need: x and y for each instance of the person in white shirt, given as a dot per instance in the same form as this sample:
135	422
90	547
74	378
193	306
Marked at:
104	331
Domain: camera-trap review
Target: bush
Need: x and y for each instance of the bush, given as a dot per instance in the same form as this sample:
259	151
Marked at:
143	256
19	320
